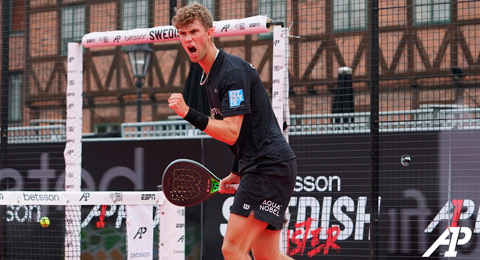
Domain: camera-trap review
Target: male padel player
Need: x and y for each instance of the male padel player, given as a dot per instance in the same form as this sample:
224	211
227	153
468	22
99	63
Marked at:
264	164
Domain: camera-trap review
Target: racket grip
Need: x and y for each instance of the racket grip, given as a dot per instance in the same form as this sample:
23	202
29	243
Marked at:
235	186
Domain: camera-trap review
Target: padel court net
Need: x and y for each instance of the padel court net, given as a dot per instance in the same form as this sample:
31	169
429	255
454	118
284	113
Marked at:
75	225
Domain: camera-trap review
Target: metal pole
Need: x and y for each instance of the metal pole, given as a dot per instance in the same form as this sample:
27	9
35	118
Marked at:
4	109
5	81
374	128
139	84
173	9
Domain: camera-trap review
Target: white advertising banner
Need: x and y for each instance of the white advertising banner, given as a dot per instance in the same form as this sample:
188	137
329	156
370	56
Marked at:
139	232
172	232
72	198
73	147
249	25
280	84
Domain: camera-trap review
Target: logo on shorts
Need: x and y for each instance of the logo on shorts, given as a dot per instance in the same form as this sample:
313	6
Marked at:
246	206
271	207
235	97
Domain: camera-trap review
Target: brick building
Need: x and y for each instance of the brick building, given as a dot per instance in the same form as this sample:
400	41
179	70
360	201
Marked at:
421	44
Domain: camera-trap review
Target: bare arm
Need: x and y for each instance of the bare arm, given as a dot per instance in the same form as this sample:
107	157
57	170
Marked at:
226	130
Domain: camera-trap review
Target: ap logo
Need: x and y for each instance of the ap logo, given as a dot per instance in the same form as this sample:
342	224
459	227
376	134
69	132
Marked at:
452	243
455	235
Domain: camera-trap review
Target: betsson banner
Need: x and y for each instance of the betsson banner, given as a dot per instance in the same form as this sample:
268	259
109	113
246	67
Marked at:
139	232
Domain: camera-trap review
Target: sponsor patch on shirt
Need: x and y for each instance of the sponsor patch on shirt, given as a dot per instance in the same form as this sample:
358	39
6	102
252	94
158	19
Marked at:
235	97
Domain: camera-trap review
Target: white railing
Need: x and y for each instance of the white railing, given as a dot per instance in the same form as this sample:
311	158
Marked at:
167	128
36	134
423	119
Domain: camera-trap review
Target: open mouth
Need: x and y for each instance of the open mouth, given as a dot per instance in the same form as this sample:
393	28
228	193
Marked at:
192	49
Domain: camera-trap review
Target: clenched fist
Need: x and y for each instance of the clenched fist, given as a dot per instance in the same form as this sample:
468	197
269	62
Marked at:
177	103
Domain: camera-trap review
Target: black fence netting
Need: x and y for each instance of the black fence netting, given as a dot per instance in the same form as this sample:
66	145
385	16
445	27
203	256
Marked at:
383	112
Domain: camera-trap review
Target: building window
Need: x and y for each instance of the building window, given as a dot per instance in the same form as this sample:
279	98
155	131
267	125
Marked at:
17	12
349	15
15	113
431	11
209	4
107	128
73	26
275	10
134	14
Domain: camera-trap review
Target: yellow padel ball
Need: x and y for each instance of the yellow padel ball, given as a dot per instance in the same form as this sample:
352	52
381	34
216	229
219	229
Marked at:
45	222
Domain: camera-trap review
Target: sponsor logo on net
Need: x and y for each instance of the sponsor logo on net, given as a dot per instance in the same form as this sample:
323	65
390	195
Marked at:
225	28
140	232
40	197
240	26
145	255
163	34
116	197
85	196
149	196
135	37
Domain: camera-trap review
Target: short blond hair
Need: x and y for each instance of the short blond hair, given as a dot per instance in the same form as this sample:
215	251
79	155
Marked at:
187	15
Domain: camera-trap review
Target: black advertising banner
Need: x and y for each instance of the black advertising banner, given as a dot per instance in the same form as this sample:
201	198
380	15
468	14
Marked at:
409	190
331	207
33	167
108	165
454	226
132	165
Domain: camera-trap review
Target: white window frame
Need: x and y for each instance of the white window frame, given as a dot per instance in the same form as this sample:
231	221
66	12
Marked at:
72	26
275	10
135	14
15	100
349	15
427	12
209	4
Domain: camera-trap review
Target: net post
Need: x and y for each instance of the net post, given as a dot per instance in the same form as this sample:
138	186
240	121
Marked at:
280	89
280	84
172	231
233	27
73	148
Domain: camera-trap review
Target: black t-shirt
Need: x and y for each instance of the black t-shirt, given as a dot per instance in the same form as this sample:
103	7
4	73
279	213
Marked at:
235	88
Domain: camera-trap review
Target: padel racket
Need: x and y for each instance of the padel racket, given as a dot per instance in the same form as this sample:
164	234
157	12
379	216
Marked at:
187	183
